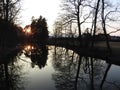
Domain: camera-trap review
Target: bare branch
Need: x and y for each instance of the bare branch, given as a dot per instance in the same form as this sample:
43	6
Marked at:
85	18
114	31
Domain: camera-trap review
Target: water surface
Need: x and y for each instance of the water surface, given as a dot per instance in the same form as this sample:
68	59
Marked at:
56	68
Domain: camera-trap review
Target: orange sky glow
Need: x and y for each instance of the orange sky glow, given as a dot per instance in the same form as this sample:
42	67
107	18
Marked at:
27	30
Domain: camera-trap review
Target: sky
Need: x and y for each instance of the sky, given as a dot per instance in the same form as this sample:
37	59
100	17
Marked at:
47	8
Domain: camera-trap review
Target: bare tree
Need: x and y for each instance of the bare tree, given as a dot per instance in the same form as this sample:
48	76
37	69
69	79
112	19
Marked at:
95	21
103	9
104	25
91	14
9	9
57	29
64	28
75	10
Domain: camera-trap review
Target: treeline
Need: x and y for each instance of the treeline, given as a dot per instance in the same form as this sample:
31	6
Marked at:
9	10
11	34
8	34
94	17
37	31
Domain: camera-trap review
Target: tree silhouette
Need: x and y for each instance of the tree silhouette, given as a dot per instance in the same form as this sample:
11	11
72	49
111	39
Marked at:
10	72
8	34
39	57
40	31
9	10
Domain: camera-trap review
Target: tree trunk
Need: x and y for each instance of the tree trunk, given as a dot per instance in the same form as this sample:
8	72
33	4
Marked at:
95	21
78	22
7	12
104	27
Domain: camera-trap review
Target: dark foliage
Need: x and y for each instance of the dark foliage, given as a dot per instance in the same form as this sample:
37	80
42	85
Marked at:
8	34
40	30
39	57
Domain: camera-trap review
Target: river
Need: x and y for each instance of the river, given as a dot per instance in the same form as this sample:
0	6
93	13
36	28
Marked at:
56	68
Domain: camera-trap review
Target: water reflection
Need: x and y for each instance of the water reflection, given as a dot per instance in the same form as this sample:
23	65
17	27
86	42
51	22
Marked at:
33	68
38	55
74	72
11	69
10	75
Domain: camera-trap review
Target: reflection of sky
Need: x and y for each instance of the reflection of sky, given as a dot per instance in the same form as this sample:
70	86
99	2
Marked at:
115	1
114	73
112	81
37	79
42	79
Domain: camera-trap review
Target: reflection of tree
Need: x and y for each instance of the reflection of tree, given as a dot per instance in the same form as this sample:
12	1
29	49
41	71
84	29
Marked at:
91	71
65	69
74	72
10	78
106	72
107	85
38	56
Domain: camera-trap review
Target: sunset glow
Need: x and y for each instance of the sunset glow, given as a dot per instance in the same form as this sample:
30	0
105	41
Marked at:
27	30
28	47
47	8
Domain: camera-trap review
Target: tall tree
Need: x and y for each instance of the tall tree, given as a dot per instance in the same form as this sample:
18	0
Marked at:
9	9
104	25
58	28
95	20
77	10
40	30
8	34
91	14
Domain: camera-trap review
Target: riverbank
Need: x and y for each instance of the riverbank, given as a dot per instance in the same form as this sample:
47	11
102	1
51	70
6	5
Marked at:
99	51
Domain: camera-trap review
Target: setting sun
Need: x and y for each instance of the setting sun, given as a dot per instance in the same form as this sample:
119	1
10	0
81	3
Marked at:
28	47
27	30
